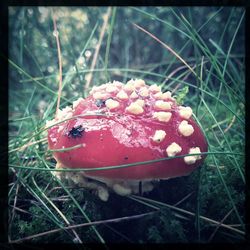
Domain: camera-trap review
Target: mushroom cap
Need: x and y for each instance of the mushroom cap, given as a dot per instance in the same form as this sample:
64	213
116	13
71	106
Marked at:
131	129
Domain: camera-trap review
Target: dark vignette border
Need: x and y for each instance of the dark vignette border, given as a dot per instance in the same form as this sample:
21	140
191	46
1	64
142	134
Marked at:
4	105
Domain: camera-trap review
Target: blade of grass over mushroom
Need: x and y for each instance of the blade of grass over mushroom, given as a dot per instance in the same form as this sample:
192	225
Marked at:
230	154
100	114
48	127
71	118
66	149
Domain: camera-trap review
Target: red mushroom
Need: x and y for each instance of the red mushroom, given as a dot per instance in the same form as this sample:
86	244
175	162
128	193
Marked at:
138	123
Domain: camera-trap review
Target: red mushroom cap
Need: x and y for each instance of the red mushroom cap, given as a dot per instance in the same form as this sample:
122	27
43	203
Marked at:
139	123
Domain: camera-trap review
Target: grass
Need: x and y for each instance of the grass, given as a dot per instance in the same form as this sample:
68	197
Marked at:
198	53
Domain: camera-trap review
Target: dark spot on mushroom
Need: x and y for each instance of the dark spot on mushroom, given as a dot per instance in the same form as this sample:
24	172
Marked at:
52	160
76	132
100	103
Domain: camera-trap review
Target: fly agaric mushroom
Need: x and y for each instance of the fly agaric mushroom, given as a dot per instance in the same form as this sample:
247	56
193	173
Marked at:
137	123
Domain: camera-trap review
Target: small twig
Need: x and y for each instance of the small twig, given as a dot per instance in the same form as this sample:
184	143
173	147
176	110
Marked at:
20	210
15	201
84	225
218	226
183	199
231	124
104	26
173	73
118	233
234	225
56	34
176	88
13	210
186	76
